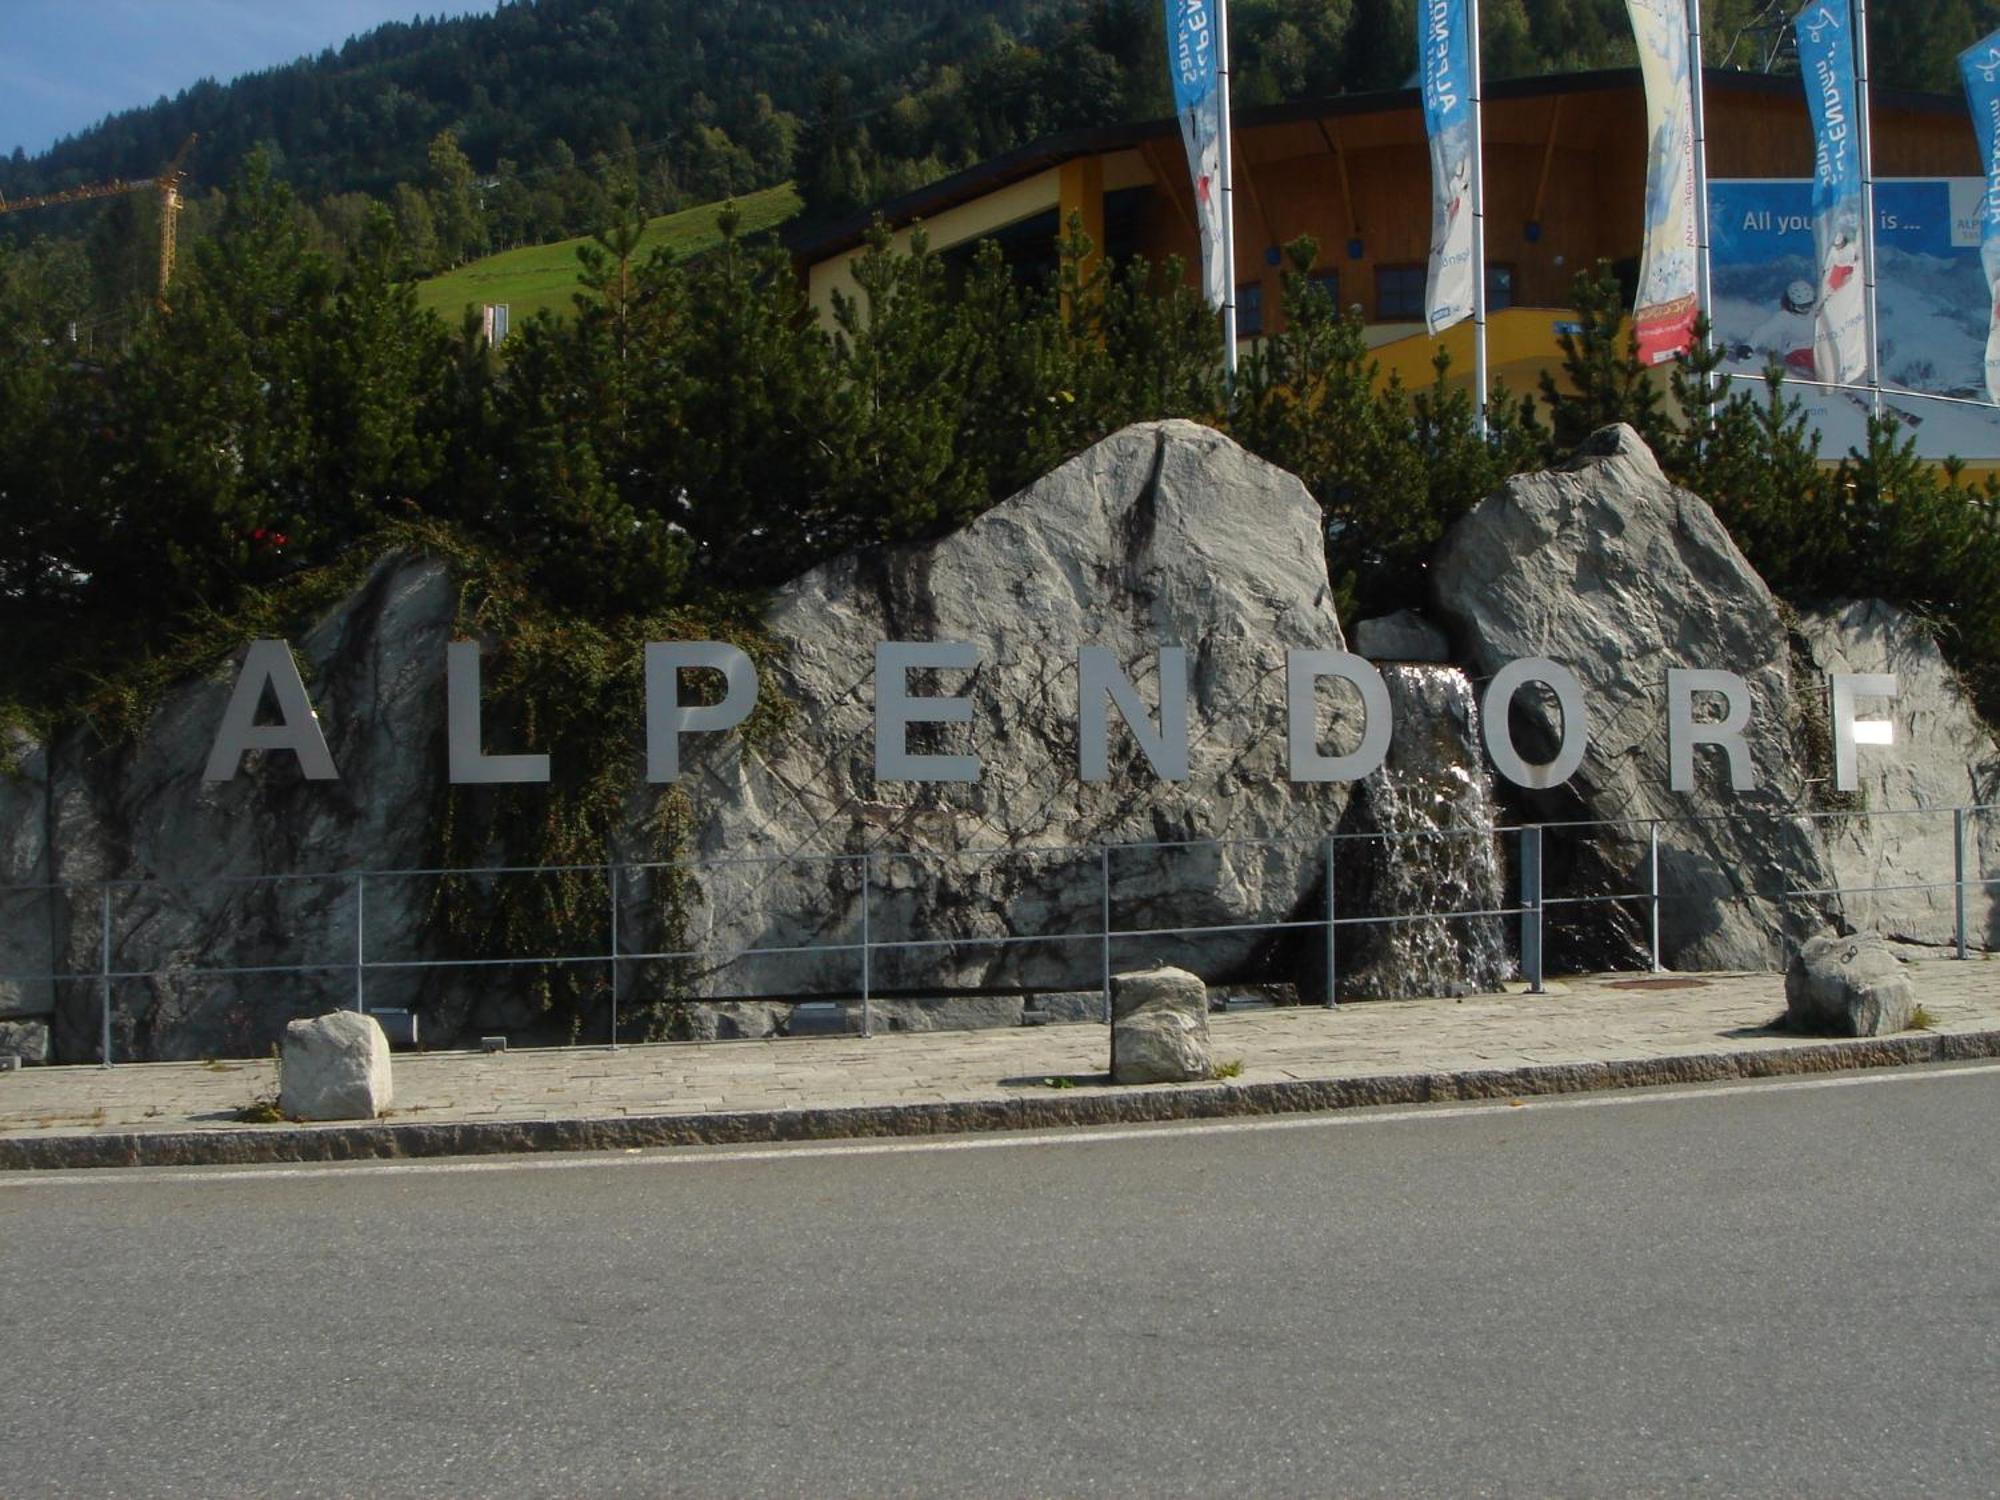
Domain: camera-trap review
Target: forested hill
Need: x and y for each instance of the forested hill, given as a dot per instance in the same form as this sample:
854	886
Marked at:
588	74
856	98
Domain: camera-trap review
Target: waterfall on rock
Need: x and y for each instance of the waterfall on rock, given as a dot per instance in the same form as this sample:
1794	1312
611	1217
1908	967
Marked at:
1425	819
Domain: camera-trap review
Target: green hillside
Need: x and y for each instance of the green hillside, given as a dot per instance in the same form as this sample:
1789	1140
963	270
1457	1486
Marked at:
544	276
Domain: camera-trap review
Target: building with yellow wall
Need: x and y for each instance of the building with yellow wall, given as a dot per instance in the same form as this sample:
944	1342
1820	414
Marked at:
1565	185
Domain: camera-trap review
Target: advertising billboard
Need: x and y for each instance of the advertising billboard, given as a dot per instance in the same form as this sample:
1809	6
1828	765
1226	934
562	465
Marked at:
1931	290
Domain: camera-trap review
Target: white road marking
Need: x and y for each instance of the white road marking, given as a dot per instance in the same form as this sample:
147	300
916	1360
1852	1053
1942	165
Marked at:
1082	1135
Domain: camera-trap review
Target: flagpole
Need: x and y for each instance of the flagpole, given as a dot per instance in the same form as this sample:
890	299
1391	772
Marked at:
1865	143
1704	276
1228	193
1479	376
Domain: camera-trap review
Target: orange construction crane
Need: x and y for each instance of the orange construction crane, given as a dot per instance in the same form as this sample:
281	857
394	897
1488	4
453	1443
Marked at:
167	183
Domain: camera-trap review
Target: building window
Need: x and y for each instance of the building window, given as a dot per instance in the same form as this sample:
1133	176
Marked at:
1399	294
1399	291
1250	309
1328	282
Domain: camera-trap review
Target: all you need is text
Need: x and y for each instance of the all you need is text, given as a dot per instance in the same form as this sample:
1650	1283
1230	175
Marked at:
1102	684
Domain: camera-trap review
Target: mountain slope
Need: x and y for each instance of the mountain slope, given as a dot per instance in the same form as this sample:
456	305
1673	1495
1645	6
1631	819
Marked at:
515	83
544	277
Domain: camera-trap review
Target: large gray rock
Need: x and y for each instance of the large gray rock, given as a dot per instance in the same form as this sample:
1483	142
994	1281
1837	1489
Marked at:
31	916
1611	571
336	1067
1850	986
1900	833
142	813
726	1021
1159	1027
1403	636
27	1040
1163	534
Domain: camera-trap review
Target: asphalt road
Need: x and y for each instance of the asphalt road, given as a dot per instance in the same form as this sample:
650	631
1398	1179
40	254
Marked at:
1760	1289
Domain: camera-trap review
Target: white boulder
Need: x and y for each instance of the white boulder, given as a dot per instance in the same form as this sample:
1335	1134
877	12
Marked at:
336	1067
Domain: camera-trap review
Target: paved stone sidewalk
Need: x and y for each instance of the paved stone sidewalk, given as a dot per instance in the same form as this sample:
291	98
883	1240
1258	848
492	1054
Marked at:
1595	1032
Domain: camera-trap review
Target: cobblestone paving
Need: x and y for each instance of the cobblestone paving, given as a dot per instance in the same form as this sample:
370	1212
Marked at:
1604	1018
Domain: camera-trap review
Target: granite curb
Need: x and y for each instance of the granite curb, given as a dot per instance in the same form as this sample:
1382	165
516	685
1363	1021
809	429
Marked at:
1053	1109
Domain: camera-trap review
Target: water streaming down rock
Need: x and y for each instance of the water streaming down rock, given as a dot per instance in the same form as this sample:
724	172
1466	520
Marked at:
1432	809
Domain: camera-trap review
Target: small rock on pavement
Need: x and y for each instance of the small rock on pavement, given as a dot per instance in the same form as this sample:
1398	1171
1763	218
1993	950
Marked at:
1159	1027
336	1067
1851	986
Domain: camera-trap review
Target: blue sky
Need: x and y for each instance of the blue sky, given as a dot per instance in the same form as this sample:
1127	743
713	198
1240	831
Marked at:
66	64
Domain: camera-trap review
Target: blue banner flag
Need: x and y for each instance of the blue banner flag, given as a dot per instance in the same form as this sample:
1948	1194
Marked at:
1193	57
1980	67
1840	313
1444	52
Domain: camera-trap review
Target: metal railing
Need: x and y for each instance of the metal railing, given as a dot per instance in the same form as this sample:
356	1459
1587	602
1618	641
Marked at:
1533	906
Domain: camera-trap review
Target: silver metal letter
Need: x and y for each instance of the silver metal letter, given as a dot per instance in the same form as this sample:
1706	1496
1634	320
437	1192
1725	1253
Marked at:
1303	671
471	765
1099	677
896	710
667	720
269	664
1499	733
1849	732
1683	733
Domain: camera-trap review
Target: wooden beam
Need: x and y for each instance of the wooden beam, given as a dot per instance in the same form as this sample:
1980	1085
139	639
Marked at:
1548	160
1326	133
1170	182
1248	175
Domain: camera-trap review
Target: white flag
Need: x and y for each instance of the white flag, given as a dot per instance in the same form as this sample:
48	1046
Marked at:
1664	316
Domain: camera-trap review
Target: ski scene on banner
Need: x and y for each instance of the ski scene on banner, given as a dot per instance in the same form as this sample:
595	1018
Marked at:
1445	56
1979	65
1663	315
1840	309
1194	57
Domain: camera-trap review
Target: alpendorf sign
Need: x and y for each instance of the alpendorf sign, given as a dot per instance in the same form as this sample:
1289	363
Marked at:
1102	685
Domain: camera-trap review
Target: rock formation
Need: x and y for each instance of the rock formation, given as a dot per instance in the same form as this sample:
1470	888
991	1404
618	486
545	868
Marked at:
141	813
1606	568
1897	832
1165	535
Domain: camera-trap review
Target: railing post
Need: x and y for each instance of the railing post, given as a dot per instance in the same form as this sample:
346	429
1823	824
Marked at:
360	941
1332	1003
611	882
104	970
1531	908
1960	847
1653	867
867	977
1104	879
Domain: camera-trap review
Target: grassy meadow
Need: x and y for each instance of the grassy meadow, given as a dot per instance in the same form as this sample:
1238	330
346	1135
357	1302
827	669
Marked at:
544	276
